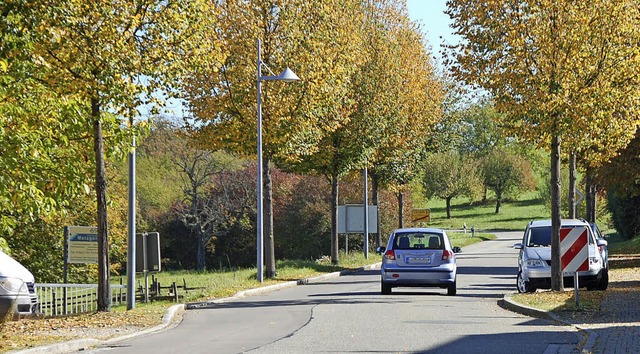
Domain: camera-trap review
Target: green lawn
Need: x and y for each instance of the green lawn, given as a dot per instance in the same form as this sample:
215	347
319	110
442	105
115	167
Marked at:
514	215
218	284
620	246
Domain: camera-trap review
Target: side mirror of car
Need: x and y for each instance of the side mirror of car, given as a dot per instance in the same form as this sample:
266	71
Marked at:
457	249
602	242
517	246
380	250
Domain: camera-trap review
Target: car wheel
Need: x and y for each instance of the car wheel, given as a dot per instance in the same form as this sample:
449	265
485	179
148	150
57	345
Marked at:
385	289
604	280
451	289
522	285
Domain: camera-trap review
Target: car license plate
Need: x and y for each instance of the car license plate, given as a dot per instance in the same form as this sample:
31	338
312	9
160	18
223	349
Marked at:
419	260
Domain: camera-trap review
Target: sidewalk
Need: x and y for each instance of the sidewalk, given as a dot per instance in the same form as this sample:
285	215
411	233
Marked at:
615	328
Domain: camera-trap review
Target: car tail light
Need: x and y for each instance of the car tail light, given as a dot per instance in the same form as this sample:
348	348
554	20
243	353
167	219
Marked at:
446	255
390	254
600	249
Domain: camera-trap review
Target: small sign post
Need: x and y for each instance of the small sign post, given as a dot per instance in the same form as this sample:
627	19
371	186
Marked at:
420	215
82	244
147	257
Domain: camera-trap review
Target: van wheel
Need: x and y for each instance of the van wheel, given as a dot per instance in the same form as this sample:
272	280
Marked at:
604	280
385	289
522	285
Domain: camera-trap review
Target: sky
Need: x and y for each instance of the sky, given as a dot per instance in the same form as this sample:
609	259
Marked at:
434	22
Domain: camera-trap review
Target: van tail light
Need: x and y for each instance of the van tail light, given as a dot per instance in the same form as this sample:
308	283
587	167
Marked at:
447	255
600	249
390	254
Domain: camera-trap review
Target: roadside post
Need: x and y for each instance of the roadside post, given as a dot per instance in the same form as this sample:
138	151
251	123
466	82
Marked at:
420	215
351	219
147	257
81	247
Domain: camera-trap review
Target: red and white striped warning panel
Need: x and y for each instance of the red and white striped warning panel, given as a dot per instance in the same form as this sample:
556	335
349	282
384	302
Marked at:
574	249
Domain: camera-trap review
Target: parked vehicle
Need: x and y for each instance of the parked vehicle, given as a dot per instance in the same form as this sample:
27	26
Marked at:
534	259
418	257
604	249
18	297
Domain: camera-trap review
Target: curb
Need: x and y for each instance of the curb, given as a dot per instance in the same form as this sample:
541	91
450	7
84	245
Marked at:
508	304
170	316
280	286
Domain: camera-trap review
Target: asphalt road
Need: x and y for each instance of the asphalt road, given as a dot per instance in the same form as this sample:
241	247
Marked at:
348	314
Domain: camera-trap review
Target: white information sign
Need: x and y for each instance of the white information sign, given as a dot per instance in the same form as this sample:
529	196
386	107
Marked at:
351	218
82	244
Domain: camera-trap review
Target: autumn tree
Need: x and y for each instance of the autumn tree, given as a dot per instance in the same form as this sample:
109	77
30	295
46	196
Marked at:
405	106
319	41
558	71
112	57
505	173
42	155
447	175
479	129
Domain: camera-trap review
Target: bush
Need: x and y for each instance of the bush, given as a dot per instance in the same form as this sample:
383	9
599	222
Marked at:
625	214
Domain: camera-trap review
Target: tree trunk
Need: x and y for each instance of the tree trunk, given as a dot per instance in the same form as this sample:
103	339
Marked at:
104	290
448	200
498	202
269	249
201	264
593	191
572	186
400	197
334	220
374	197
556	269
591	197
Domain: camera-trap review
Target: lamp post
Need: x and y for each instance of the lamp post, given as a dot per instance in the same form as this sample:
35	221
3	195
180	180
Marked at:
287	76
131	251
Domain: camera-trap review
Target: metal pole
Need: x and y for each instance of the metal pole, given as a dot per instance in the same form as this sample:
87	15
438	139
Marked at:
366	215
259	236
131	250
65	268
576	289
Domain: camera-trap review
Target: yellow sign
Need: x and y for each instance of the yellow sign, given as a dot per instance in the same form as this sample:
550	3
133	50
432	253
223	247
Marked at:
421	215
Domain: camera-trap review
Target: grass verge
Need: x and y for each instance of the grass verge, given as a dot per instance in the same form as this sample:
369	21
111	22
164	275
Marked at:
557	301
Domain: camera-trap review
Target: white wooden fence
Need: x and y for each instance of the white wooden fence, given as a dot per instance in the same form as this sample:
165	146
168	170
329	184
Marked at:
66	299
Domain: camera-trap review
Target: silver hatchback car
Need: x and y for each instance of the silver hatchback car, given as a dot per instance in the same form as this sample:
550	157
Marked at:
418	257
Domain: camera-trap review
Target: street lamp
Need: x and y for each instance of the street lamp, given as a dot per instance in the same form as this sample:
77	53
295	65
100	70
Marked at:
287	76
131	225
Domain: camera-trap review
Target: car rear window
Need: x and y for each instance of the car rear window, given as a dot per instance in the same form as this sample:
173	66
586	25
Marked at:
418	240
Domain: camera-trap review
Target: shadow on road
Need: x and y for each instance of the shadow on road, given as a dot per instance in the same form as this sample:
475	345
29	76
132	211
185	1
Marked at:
488	271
